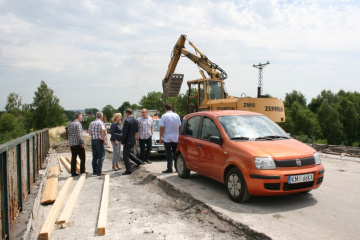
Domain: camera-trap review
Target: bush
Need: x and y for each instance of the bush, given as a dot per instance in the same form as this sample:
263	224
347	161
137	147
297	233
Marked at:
321	141
10	128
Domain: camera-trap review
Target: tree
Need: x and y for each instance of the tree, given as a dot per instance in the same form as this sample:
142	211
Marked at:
92	111
134	106
70	115
47	110
13	104
88	121
10	128
328	96
329	120
349	119
153	100
108	112
124	106
295	96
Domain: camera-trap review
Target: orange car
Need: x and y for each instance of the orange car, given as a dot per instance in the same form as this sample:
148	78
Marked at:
248	153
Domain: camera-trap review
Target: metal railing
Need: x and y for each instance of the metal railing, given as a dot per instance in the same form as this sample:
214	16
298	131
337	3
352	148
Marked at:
20	161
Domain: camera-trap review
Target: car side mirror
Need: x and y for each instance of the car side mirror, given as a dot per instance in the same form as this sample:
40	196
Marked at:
215	139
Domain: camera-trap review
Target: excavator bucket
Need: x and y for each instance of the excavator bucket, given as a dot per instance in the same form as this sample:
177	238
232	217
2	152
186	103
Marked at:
172	87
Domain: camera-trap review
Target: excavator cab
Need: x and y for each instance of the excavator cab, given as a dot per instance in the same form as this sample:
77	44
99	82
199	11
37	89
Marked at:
207	89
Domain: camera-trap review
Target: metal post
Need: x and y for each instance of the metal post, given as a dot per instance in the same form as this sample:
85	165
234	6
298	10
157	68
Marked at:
260	66
28	164
19	178
4	197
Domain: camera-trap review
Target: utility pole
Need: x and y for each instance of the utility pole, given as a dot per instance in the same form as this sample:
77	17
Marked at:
260	66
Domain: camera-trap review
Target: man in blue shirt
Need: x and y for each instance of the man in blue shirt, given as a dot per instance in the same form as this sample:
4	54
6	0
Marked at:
170	126
97	132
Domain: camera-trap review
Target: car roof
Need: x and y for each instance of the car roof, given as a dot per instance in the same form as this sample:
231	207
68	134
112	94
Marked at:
221	113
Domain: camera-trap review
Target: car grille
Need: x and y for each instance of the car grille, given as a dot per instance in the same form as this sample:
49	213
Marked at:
292	162
272	186
319	180
289	187
296	186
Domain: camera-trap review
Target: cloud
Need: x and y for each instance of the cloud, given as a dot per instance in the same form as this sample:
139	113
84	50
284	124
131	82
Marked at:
94	53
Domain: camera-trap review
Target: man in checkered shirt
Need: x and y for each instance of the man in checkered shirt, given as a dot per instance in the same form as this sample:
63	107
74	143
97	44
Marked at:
76	143
144	136
97	133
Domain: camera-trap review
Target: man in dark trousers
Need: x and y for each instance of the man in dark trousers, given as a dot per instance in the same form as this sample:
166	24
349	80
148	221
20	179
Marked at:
76	143
128	140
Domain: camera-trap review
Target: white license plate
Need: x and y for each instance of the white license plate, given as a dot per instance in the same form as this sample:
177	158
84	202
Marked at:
301	178
161	148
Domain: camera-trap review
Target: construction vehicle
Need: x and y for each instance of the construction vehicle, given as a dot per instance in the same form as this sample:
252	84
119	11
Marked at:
211	91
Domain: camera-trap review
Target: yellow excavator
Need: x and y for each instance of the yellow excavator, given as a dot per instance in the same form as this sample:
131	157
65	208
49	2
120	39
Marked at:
211	92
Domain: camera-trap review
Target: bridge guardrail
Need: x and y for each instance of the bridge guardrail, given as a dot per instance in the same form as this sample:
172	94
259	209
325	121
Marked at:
20	161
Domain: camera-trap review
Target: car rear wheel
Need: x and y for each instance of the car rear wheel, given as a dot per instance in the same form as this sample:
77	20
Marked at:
236	186
181	168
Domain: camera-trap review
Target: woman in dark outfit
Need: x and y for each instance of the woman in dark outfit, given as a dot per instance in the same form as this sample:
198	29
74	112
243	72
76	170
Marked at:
116	133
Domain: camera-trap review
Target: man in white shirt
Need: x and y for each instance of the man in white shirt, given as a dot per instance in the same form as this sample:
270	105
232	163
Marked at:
170	126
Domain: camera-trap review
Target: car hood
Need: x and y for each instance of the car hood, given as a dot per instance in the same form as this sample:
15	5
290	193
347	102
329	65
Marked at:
277	149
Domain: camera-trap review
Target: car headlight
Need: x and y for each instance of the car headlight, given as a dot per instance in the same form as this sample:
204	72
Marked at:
317	158
264	163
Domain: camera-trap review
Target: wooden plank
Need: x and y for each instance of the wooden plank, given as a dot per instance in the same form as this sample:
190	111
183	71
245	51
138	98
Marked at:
78	163
65	215
51	188
77	167
54	212
101	228
66	164
60	165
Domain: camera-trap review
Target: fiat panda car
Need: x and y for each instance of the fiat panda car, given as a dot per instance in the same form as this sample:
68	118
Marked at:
248	153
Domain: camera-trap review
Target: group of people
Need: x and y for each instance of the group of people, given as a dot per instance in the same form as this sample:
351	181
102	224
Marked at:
140	129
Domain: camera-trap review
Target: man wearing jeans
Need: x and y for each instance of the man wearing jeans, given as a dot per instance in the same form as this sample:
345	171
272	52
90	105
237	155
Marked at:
76	143
97	133
170	126
144	136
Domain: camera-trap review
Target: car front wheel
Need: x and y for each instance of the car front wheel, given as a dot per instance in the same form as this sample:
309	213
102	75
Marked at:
236	186
181	168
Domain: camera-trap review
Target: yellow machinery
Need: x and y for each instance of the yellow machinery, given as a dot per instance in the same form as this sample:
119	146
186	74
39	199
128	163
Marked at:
211	92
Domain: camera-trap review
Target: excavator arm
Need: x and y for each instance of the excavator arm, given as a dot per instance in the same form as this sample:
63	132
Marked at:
172	82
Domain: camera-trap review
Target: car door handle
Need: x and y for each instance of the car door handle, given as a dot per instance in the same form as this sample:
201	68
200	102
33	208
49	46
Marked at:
199	145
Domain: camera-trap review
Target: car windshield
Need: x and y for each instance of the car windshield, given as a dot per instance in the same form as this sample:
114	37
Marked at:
254	127
156	124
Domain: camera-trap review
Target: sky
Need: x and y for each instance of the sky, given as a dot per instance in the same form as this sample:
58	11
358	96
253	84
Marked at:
92	53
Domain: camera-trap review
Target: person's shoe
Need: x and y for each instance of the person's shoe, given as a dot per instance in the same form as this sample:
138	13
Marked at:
127	173
147	161
101	174
115	169
167	171
118	167
138	164
74	175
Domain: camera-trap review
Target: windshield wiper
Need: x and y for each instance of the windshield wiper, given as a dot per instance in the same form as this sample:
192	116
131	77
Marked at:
240	138
270	137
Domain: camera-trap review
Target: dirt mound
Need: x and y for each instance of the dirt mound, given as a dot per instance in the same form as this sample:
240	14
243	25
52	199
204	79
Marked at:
63	146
